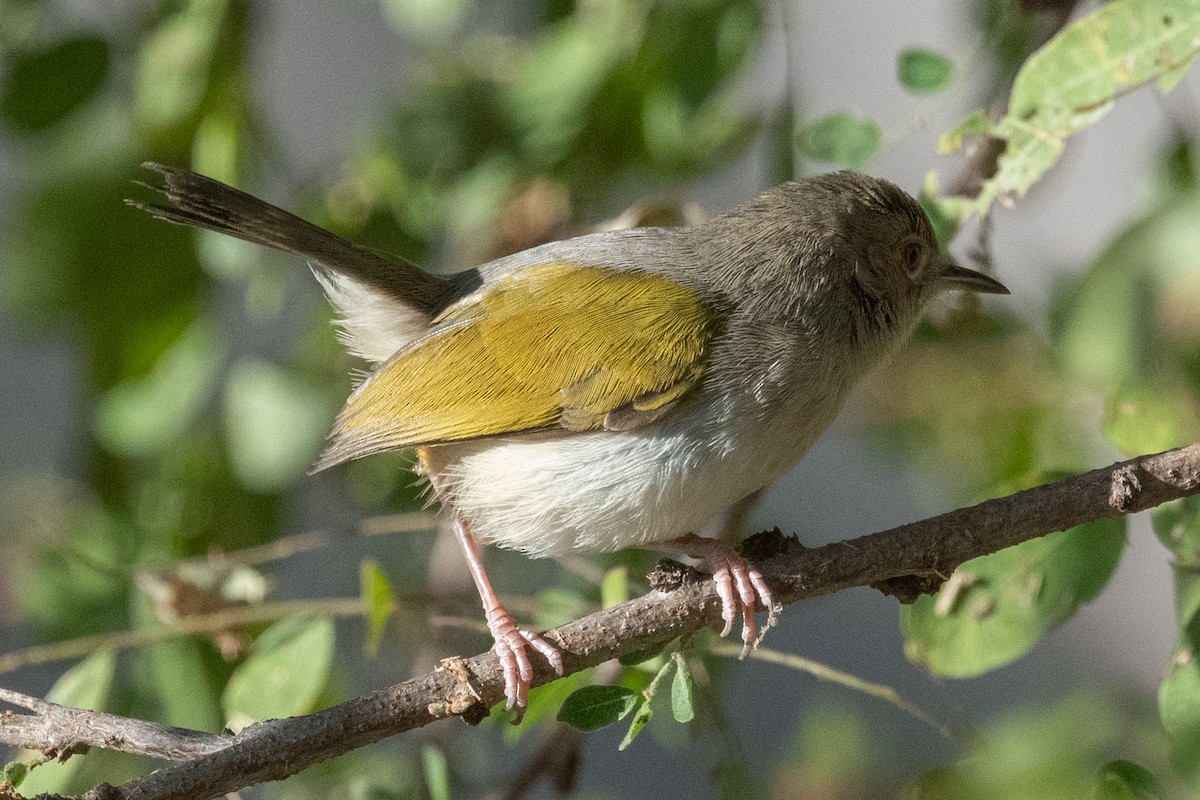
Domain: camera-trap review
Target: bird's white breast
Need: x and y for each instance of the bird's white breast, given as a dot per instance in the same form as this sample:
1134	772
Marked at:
605	491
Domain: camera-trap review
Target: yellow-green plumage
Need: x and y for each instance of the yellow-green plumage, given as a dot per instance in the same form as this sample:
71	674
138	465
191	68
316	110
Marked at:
554	345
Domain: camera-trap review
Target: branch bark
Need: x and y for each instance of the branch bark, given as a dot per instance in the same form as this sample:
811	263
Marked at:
904	561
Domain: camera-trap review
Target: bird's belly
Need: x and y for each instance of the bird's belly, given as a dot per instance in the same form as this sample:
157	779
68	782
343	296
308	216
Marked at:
605	491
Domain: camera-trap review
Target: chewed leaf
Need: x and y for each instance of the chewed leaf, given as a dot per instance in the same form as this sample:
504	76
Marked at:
1073	80
995	608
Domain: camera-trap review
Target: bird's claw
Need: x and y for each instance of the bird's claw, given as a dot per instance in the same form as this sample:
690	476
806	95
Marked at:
742	588
510	647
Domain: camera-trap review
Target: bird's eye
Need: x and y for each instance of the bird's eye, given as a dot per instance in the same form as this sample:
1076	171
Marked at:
912	257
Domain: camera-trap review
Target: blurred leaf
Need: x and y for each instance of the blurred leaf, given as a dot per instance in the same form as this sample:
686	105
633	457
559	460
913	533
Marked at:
1073	80
379	601
840	139
977	123
545	702
284	675
69	546
1177	525
1179	708
555	85
1124	780
1104	334
85	685
614	588
174	672
43	87
681	691
993	609
15	773
946	214
923	71
1149	273
1150	418
594	707
557	606
1046	753
426	19
437	773
140	416
274	424
830	753
640	656
174	62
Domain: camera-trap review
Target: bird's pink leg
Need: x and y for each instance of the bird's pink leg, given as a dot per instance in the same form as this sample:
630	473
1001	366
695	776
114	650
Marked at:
511	641
740	585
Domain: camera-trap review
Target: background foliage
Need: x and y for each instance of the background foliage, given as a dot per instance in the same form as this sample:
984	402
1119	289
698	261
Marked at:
169	549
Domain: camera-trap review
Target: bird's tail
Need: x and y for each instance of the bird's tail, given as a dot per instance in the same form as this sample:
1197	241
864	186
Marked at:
193	199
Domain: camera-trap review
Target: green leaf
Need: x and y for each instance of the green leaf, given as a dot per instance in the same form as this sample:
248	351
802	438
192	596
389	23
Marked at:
977	123
43	87
594	707
1179	709
437	773
15	773
1140	289
644	713
379	601
645	710
284	675
946	214
173	65
1124	780
923	71
140	416
995	608
545	702
614	588
1073	80
1037	752
558	607
840	139
85	685
274	425
681	691
1144	418
1177	525
640	656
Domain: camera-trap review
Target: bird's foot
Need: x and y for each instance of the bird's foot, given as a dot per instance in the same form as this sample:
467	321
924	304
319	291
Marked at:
741	587
511	643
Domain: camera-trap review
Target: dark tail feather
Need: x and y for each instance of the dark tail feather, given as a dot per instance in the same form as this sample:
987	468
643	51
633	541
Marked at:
193	199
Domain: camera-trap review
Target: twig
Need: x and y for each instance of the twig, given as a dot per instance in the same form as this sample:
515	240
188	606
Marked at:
196	625
824	672
926	551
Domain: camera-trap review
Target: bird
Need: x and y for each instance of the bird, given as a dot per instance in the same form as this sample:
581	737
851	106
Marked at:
623	389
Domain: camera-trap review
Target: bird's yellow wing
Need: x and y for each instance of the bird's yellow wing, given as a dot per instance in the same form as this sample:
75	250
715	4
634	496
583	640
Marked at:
555	345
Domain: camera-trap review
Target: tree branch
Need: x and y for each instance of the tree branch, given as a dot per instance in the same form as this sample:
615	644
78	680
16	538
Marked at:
903	561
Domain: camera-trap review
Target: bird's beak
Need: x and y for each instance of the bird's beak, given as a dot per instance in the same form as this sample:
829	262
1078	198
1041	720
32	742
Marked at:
953	276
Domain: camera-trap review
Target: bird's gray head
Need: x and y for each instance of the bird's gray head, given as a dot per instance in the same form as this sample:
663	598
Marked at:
844	246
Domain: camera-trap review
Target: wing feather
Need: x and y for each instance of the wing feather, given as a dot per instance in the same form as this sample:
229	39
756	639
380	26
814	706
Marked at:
555	345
